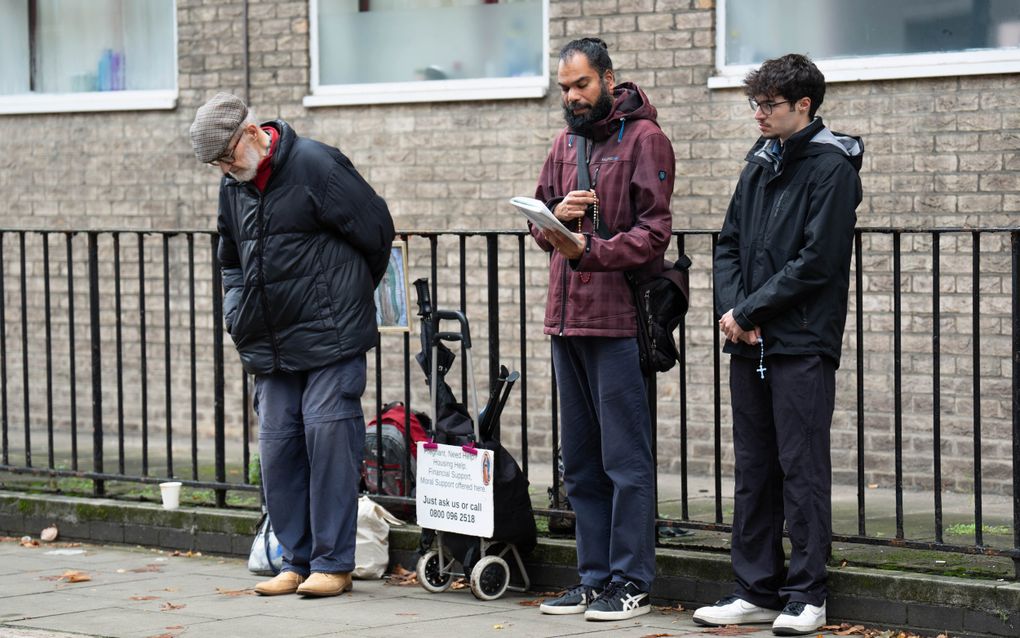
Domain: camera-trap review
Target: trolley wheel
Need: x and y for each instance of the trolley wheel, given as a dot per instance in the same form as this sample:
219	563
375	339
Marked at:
433	576
490	578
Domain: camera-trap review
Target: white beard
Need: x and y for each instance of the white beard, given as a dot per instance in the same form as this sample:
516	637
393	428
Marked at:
251	160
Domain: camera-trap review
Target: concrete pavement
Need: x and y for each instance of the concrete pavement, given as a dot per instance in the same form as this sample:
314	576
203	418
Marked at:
137	592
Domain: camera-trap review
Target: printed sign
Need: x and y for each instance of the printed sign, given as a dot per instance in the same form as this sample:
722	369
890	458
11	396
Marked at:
454	490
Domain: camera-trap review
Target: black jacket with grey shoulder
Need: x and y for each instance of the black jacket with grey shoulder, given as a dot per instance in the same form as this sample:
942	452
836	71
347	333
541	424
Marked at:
300	261
782	261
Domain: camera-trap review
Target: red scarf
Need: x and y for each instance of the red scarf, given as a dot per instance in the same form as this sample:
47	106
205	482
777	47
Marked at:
265	168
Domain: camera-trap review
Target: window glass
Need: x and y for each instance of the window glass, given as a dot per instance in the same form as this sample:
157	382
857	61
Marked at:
829	29
75	46
374	41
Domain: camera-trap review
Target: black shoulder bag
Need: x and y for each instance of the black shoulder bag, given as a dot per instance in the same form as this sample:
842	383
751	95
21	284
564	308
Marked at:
661	293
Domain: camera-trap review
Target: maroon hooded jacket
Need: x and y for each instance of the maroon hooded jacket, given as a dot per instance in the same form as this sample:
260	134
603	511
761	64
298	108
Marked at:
631	166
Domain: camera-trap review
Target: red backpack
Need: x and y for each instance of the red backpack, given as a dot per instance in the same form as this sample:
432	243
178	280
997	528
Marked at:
394	449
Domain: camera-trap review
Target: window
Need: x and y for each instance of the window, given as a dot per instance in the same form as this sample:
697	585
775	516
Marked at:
870	39
385	51
87	55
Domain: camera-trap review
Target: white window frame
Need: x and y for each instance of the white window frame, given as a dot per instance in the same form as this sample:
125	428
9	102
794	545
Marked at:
879	67
423	91
97	101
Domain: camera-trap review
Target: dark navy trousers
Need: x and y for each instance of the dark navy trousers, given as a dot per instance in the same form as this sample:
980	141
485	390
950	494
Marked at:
608	469
311	441
783	473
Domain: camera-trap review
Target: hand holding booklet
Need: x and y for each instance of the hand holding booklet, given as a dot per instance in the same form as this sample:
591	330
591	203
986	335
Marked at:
536	211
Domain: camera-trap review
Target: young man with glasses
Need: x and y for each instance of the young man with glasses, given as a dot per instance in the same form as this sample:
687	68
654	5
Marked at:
304	241
782	274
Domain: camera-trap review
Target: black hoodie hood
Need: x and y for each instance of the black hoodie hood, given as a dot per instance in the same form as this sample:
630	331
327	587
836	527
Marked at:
813	139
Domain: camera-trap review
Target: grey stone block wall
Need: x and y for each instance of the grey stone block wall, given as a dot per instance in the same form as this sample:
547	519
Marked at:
941	152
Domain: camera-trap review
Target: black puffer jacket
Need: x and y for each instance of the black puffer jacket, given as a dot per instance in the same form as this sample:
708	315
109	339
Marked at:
783	257
301	260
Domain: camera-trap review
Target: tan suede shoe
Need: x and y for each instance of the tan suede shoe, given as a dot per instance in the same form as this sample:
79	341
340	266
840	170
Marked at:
282	583
322	584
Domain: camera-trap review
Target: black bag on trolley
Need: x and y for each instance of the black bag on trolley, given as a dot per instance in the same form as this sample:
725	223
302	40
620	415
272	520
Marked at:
514	519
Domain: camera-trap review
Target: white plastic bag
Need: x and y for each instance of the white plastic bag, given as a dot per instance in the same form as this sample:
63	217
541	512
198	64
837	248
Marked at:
266	556
372	552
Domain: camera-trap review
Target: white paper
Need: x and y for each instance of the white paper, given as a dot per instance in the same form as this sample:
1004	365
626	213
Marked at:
536	211
454	490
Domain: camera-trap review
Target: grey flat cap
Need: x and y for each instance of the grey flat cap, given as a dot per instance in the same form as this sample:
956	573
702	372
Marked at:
214	125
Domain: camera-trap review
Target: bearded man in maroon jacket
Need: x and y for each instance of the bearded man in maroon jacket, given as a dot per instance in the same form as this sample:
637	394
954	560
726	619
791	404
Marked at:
621	221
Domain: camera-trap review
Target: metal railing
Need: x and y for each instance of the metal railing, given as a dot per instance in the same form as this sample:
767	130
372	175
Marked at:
163	384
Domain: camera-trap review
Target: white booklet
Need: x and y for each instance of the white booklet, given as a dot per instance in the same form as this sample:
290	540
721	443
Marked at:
536	211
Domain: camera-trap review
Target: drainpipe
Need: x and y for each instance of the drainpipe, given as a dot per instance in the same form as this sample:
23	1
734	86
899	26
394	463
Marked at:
245	62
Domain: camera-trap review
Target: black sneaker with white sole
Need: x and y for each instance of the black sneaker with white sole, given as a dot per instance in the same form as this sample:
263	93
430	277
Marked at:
573	601
619	601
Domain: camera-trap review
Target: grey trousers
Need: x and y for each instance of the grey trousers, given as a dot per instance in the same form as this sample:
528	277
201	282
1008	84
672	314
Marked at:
311	441
607	458
783	473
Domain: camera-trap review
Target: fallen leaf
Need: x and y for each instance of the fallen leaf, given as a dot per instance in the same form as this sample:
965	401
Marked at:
656	635
187	554
497	627
175	627
402	577
151	567
731	630
671	610
28	541
144	597
169	606
72	576
235	592
843	563
872	486
460	583
49	534
531	603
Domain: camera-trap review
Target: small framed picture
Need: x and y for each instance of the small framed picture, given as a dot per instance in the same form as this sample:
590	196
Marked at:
392	298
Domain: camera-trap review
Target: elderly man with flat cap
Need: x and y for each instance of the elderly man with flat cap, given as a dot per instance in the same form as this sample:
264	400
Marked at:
304	240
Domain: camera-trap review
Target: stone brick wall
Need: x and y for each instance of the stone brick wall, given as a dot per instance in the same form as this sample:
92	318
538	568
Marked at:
941	152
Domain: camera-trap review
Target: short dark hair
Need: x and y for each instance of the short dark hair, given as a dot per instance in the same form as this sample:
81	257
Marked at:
792	76
594	49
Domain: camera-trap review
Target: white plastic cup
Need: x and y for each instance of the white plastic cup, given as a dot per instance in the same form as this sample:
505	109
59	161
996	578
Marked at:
171	492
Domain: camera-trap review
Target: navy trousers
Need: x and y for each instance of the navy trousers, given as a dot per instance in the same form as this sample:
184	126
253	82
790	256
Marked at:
607	458
783	473
311	441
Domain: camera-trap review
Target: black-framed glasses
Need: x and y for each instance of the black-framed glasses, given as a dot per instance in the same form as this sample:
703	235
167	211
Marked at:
228	157
766	107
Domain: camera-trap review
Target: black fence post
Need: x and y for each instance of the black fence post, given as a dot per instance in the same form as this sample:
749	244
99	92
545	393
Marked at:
492	250
219	413
25	390
98	485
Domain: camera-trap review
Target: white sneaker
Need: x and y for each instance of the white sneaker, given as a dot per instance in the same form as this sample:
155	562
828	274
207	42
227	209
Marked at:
799	618
733	610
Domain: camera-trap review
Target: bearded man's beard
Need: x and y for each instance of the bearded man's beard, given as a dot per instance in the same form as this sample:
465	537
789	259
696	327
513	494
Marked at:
584	122
251	166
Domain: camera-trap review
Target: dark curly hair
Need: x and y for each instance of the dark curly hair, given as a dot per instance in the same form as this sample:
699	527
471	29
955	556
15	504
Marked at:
792	76
594	49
